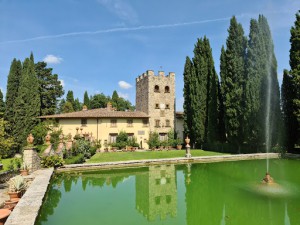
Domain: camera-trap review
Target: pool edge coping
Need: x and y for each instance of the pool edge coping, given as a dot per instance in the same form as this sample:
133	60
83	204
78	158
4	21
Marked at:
26	211
177	160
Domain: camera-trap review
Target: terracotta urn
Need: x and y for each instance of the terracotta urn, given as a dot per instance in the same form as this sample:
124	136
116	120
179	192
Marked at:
13	195
4	213
30	139
47	139
24	172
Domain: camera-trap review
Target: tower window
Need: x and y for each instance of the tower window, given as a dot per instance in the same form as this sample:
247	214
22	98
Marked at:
156	88
167	123
167	106
157	123
157	106
167	89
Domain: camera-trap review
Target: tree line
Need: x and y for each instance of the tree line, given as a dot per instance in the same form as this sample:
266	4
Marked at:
33	91
241	109
70	104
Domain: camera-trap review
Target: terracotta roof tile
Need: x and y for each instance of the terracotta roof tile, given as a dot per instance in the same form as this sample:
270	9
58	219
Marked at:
98	113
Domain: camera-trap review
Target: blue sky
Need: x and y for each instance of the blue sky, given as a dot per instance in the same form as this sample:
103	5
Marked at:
103	45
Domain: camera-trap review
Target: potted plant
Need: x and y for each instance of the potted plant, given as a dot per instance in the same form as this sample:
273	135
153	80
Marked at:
177	143
17	186
24	169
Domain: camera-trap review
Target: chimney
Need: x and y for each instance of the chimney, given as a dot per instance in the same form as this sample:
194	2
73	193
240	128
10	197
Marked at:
109	106
84	108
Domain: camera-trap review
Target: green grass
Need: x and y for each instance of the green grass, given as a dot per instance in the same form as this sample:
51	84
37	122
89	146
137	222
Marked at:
5	163
125	156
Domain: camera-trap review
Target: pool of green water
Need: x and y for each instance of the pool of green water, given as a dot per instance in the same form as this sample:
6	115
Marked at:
201	194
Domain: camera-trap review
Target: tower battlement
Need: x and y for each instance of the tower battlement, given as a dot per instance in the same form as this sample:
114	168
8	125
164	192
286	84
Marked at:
150	73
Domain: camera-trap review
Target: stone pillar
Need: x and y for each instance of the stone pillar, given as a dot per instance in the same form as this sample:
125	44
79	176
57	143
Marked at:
188	148
31	159
30	156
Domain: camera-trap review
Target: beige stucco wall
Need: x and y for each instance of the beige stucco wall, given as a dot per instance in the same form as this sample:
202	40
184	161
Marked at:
101	128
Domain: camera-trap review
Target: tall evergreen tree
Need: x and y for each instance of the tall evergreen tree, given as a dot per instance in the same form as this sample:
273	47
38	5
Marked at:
70	98
262	88
295	73
233	81
50	88
187	76
270	100
289	118
13	82
2	105
86	100
28	103
201	103
199	94
77	105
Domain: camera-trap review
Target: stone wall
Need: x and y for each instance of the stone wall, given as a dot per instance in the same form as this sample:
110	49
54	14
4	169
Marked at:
31	159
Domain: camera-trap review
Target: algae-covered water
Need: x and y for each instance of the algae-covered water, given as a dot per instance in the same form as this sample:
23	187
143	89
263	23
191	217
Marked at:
192	194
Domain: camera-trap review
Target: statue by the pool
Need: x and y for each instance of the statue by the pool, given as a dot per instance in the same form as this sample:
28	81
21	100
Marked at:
268	179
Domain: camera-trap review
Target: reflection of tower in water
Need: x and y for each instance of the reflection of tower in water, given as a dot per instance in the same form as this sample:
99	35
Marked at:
156	193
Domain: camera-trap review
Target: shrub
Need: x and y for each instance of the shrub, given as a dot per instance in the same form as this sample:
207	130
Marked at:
7	143
41	130
52	161
153	141
75	159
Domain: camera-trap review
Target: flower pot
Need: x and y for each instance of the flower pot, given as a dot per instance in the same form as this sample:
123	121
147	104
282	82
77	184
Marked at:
4	213
10	204
14	194
24	172
179	147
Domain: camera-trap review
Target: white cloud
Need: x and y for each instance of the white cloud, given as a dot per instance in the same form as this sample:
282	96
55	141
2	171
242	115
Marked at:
123	95
52	59
124	85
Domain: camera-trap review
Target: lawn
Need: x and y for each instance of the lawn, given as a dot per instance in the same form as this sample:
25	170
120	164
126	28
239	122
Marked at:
125	156
6	163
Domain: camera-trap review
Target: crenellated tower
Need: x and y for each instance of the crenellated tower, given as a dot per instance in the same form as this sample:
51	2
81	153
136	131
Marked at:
155	95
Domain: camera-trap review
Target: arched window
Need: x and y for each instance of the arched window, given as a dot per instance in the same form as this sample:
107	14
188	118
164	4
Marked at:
156	88
167	89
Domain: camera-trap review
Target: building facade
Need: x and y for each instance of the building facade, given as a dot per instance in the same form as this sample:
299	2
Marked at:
155	112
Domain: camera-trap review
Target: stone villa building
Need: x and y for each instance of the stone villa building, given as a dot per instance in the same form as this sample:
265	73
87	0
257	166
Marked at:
155	111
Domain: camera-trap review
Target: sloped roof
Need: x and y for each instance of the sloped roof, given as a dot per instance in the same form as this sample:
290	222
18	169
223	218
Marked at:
98	113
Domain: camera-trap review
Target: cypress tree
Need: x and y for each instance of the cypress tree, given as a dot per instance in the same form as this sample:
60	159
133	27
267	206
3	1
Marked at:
289	118
262	88
77	105
201	103
187	116
70	99
270	88
28	103
295	73
2	105
233	81
199	94
13	82
50	88
86	100
255	65
212	103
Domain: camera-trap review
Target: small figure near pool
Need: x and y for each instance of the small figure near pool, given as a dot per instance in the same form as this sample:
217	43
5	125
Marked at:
268	179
